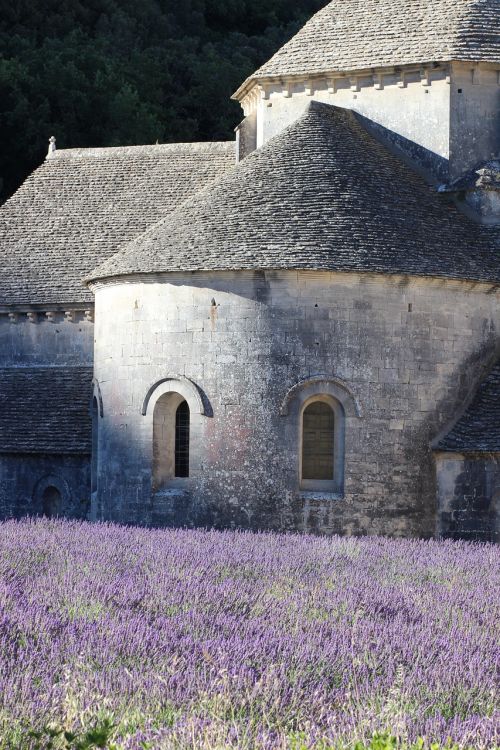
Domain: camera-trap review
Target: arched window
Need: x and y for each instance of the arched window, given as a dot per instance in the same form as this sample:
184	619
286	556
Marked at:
95	442
318	442
182	440
171	427
51	502
319	412
321	430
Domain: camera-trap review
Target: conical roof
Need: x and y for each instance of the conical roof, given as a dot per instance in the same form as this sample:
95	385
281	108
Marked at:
322	194
350	35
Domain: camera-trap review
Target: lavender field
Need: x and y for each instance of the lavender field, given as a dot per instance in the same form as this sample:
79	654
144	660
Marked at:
128	638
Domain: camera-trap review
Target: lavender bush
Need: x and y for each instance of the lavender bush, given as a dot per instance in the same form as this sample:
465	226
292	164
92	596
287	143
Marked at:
129	638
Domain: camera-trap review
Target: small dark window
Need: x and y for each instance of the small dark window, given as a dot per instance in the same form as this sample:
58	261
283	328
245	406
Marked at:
318	442
182	440
51	502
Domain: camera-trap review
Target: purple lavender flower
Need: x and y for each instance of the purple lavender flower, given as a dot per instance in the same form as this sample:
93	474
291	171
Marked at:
184	639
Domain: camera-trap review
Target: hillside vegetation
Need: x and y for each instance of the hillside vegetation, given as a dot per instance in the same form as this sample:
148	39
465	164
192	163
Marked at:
120	72
173	640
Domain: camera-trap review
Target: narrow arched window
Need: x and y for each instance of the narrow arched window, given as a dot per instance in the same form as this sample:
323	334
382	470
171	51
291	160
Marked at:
95	441
51	502
182	440
318	442
316	424
171	423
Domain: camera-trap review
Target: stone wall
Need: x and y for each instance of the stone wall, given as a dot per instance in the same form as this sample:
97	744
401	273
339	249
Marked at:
400	355
475	116
469	496
246	137
38	338
24	480
414	116
31	338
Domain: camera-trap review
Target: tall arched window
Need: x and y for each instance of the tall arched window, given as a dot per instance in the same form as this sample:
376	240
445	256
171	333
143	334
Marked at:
319	411
171	427
318	442
182	440
95	436
322	444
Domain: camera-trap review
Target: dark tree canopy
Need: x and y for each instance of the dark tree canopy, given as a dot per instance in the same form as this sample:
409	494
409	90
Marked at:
120	72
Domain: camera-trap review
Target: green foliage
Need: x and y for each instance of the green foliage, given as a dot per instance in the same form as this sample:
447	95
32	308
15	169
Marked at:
386	742
119	72
378	742
55	738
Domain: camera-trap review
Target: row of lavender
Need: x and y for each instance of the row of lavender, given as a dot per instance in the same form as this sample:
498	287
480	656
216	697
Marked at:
204	640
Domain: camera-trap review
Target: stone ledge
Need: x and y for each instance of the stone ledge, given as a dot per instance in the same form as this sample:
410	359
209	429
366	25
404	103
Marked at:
310	495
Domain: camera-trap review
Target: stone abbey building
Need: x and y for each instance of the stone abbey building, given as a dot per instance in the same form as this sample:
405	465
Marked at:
296	331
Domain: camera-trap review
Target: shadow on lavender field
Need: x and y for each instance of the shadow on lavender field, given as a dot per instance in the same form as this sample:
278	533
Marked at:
130	638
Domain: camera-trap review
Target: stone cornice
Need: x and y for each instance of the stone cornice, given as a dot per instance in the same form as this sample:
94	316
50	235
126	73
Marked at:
184	278
255	89
49	313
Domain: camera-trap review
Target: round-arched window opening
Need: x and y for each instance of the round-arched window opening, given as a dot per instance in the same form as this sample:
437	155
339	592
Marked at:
51	502
171	440
182	440
317	423
95	444
318	442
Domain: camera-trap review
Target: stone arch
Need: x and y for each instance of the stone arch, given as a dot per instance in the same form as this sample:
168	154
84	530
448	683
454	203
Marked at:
54	482
196	399
344	406
326	385
159	411
171	440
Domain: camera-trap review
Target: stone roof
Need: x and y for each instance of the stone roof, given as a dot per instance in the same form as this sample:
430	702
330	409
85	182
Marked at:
322	194
81	205
478	430
45	410
349	35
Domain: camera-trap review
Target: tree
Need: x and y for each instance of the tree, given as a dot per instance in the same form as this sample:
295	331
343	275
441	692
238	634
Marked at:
119	72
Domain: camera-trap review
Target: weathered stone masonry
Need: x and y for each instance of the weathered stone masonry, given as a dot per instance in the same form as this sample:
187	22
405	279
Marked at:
71	213
407	349
45	439
468	467
296	331
469	495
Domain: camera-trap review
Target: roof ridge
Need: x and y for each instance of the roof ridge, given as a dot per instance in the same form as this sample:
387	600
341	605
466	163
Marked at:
113	151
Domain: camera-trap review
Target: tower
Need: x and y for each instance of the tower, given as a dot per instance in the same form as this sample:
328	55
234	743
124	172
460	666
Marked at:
423	74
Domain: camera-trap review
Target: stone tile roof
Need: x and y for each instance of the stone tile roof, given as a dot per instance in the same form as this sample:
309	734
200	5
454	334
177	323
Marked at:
478	430
322	194
81	205
45	410
350	35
